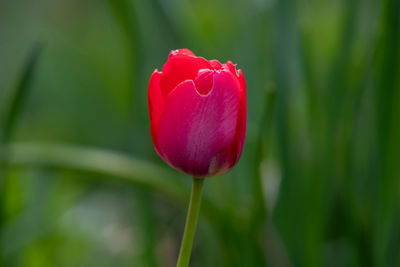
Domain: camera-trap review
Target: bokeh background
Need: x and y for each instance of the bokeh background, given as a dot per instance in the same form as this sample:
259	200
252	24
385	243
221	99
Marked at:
319	179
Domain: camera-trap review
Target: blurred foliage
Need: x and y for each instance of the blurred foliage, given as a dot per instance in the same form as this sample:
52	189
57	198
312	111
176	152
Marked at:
319	180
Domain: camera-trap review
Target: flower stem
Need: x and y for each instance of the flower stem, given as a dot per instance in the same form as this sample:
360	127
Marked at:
191	223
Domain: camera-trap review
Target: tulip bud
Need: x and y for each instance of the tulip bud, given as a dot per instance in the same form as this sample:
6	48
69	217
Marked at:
198	113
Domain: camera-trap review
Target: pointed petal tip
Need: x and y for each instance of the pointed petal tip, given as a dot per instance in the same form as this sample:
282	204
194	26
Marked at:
182	51
215	64
179	67
204	82
232	68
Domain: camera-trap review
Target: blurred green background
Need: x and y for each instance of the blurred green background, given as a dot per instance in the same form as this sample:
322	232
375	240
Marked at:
319	179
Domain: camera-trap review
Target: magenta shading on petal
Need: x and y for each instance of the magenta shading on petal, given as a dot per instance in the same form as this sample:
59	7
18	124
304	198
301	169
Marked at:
194	129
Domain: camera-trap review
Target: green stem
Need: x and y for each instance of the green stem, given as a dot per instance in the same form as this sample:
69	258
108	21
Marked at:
191	223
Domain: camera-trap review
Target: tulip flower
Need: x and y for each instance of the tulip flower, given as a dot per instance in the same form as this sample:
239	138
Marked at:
198	122
198	114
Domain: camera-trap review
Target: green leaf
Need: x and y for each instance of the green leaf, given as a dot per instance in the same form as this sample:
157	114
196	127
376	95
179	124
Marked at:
19	94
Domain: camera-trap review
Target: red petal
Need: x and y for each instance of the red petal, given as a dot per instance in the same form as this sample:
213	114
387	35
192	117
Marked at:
242	119
183	51
242	82
204	81
156	104
232	68
194	129
215	64
236	149
180	66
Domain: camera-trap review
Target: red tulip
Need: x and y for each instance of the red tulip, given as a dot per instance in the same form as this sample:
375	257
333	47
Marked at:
198	113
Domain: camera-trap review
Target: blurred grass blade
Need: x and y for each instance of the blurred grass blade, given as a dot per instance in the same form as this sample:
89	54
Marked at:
257	220
142	173
18	96
124	14
388	130
7	125
97	161
264	134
